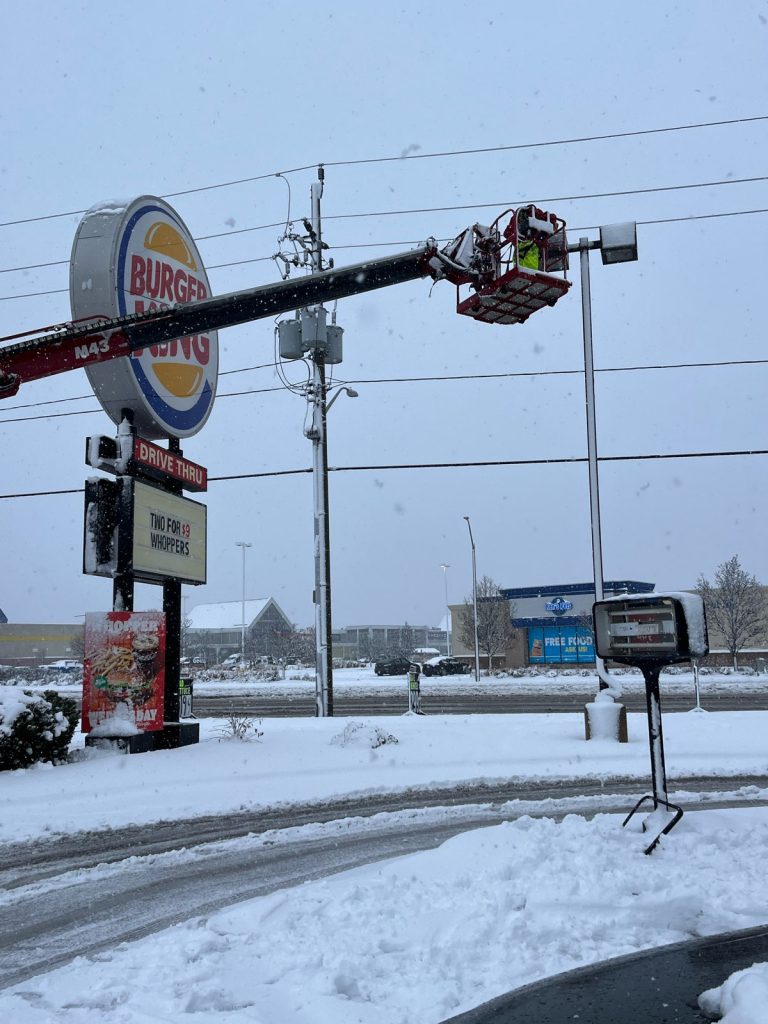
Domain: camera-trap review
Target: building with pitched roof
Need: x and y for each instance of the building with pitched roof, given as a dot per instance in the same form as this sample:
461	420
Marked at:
215	630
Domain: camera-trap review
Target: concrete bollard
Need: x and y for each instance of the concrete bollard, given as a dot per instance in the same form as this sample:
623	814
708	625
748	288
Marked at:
604	719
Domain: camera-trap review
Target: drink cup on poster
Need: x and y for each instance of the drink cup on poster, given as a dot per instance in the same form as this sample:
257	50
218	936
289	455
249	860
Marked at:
146	652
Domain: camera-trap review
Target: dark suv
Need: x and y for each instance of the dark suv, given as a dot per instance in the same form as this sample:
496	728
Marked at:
445	667
392	667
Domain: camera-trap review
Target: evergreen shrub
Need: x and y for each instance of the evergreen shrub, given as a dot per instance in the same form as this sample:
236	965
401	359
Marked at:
41	731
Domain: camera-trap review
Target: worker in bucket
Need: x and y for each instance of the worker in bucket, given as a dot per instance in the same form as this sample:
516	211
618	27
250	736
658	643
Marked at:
527	249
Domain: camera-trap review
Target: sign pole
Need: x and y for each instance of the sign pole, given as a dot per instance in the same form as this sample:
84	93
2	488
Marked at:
122	585
655	736
172	609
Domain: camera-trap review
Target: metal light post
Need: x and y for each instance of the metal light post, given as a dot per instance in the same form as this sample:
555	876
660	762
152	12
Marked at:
474	599
243	544
617	244
445	567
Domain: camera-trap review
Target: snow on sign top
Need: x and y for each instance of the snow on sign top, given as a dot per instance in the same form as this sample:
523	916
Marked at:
137	257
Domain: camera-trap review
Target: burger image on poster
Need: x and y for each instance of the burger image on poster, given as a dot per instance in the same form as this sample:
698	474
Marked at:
136	257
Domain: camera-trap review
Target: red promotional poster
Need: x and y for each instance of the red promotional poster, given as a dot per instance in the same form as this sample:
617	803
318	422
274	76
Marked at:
123	672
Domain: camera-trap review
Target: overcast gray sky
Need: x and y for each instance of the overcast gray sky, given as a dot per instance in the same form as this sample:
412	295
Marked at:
122	99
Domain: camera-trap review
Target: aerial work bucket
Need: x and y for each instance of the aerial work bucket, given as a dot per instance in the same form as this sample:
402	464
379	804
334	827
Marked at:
530	273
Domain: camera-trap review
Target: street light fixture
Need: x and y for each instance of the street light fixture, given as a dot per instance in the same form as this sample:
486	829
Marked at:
349	392
617	244
474	599
243	544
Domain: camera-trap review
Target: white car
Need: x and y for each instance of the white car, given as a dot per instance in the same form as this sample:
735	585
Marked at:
64	665
235	661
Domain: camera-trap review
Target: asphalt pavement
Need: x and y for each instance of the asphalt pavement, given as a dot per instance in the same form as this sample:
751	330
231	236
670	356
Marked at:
660	986
454	702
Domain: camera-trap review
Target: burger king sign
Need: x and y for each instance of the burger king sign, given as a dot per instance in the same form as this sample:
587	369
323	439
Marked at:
133	258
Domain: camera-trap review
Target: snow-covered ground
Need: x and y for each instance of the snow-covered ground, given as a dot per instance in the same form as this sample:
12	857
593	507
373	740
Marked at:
419	938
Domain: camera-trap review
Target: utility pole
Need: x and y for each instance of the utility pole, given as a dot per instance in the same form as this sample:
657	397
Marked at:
322	595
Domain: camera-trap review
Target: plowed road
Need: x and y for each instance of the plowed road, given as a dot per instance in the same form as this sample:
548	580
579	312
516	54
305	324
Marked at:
76	895
390	702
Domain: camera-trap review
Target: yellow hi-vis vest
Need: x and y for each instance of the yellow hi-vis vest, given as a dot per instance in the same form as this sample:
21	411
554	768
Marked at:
527	254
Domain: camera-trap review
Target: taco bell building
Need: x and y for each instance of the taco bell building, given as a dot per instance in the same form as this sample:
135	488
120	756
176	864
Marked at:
552	623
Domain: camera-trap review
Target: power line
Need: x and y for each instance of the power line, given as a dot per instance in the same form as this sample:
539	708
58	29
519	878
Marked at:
423	156
484	464
376	245
437	378
541	145
91	412
548	199
436	209
83	398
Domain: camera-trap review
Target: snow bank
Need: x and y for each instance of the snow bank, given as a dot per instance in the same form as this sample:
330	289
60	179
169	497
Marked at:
741	999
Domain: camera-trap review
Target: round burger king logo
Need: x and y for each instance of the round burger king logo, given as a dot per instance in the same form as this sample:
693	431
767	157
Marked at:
134	258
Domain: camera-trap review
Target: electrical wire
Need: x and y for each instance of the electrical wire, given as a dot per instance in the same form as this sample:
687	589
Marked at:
424	156
475	464
547	199
298	388
83	398
435	209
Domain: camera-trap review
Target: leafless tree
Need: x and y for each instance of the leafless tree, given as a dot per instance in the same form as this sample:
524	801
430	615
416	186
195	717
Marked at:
495	631
286	646
736	606
373	648
77	645
406	641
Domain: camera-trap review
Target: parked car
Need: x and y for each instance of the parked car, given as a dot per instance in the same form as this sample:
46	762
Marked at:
445	666
392	667
236	661
65	665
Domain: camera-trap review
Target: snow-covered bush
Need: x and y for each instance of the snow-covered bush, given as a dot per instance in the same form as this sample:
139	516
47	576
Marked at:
34	728
241	727
11	675
361	734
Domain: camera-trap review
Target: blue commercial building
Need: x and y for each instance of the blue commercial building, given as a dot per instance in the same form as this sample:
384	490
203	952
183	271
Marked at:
557	619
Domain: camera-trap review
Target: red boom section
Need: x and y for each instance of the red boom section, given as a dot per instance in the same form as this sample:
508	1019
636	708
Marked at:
79	345
56	353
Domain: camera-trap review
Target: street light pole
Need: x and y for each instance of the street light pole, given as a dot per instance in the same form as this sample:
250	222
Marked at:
474	599
589	387
445	567
618	244
242	544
